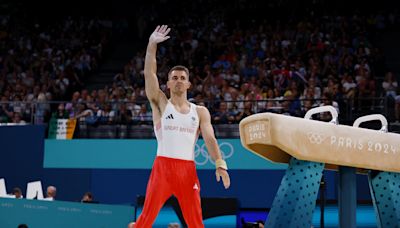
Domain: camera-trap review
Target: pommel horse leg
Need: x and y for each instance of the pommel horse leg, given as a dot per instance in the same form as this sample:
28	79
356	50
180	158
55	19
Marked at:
295	201
385	193
384	186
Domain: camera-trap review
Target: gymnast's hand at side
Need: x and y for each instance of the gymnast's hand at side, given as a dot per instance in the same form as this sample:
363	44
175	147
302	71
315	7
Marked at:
222	173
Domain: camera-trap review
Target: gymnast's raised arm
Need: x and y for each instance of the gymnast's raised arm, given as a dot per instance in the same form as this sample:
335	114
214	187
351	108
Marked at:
157	98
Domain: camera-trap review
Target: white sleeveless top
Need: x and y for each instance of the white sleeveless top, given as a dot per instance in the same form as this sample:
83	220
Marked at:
177	133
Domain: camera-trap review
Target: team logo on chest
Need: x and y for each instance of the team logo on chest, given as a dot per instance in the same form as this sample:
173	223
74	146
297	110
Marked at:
194	121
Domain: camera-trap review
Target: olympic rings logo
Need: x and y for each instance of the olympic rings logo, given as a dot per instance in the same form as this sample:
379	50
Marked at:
201	155
315	138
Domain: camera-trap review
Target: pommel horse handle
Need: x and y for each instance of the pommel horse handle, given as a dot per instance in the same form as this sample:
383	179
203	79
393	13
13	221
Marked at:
372	117
322	109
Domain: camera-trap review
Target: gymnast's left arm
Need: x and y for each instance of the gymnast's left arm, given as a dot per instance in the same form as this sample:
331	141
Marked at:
207	132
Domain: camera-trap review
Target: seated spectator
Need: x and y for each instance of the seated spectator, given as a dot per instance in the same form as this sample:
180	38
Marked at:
61	113
17	119
6	112
85	114
390	85
51	193
294	103
87	198
366	90
328	100
307	106
107	116
17	105
144	116
72	106
245	112
223	116
124	116
349	87
271	104
133	106
62	83
42	109
17	193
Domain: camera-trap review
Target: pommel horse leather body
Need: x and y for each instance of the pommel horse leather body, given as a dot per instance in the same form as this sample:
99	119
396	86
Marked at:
278	137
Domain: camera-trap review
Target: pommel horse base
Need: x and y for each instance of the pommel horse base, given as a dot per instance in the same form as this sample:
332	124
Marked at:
309	147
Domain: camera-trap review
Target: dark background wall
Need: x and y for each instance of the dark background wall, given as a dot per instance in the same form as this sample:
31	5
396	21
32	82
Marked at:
21	161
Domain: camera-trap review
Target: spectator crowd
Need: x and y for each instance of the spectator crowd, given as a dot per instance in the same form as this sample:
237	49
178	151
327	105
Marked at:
238	66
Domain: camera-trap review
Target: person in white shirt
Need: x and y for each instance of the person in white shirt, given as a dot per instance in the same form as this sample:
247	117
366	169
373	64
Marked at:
51	193
177	124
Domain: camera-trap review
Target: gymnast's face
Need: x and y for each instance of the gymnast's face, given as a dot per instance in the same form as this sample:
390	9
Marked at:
178	81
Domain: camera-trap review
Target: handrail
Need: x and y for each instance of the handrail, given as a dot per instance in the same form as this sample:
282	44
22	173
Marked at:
372	117
347	109
322	109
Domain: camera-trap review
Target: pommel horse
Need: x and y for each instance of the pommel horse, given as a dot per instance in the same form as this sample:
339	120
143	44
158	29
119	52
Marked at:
309	147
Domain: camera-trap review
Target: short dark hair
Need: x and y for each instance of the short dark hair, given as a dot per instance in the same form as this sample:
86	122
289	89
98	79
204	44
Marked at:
16	189
89	194
180	68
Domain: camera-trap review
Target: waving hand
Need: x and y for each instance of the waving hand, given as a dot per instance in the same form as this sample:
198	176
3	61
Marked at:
160	34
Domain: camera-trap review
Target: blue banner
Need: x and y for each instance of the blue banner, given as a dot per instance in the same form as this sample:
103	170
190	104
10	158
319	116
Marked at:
38	213
140	154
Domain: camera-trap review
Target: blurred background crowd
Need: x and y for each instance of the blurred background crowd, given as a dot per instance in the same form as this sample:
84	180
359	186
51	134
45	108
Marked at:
244	58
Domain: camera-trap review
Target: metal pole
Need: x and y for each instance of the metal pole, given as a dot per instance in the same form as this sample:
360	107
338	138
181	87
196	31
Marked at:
347	197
